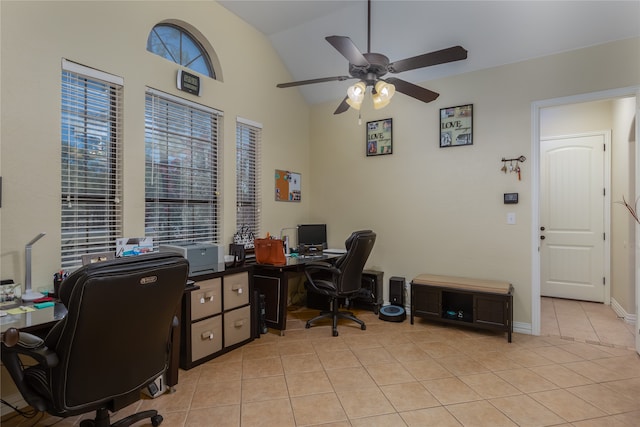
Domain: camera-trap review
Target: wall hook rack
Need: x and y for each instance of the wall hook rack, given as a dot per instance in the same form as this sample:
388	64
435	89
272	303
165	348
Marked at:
511	167
520	159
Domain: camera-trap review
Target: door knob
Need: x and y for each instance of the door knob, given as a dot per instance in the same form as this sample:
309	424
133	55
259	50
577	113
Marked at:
542	228
542	237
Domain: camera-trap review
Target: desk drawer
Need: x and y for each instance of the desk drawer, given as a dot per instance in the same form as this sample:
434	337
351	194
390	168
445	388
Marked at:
206	337
207	300
237	326
236	290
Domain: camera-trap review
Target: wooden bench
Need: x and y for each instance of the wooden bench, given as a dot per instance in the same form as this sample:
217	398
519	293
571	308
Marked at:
486	304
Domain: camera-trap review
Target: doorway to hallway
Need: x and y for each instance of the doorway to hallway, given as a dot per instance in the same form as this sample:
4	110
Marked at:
624	258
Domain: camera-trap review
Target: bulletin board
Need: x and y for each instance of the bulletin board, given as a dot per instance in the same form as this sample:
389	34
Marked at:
288	188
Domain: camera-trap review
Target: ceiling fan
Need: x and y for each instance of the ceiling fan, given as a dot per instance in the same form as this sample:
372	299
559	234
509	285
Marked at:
369	68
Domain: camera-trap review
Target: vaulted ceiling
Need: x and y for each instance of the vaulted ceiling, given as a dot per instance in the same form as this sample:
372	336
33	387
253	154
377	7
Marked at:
493	32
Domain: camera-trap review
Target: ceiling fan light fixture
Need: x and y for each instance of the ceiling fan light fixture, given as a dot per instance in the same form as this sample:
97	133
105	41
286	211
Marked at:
356	92
383	94
353	104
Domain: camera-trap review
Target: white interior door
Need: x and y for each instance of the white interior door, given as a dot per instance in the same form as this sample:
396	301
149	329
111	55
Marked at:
572	217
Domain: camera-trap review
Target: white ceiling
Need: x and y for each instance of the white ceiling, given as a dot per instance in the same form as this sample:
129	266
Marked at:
493	32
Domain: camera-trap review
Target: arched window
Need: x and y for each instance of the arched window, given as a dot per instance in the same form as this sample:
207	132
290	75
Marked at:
176	44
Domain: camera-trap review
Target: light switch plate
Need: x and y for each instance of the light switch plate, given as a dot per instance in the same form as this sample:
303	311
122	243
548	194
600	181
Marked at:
511	218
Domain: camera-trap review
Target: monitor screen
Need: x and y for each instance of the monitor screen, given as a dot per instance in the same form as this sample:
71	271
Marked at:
312	234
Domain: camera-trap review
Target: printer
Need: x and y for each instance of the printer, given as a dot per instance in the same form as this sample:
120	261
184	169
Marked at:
204	258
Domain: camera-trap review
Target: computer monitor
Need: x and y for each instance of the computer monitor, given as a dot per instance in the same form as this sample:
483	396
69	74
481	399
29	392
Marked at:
312	234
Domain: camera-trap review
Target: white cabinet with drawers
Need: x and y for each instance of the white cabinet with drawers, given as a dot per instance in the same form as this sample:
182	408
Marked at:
216	316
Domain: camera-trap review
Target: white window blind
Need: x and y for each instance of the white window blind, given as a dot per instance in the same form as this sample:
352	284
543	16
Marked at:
182	202
91	181
248	137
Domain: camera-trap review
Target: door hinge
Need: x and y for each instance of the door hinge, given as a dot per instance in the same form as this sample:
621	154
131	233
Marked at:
604	192
604	236
603	281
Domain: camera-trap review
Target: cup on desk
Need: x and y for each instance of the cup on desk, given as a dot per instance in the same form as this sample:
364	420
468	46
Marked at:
56	288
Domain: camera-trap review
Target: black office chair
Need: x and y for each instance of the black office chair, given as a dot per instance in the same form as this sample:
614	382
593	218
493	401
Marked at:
342	279
113	342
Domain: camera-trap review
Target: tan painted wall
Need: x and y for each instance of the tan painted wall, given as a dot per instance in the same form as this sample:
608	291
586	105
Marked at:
112	36
439	210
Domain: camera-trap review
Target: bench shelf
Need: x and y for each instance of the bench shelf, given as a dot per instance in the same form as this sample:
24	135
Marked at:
475	303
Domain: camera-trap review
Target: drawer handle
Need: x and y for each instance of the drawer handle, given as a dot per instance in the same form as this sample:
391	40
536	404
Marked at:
237	288
205	298
208	335
239	323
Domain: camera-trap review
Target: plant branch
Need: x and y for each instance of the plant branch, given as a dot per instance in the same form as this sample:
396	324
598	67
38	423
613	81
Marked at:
633	210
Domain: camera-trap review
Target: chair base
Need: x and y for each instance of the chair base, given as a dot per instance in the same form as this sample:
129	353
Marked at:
335	314
102	419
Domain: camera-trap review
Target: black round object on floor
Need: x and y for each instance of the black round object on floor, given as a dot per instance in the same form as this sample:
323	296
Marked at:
392	313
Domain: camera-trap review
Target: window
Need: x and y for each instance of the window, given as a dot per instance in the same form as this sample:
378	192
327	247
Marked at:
181	175
248	135
91	160
177	45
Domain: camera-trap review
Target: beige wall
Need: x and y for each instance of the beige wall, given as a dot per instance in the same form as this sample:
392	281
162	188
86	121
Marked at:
440	210
112	36
435	210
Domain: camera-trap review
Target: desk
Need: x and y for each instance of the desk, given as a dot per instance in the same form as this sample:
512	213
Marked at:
40	322
36	322
273	282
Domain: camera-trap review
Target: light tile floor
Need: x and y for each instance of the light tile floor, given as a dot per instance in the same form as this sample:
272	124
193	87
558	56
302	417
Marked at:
585	322
397	374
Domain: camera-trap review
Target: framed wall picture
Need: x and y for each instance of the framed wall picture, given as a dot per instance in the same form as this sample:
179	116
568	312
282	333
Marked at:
379	137
456	126
288	187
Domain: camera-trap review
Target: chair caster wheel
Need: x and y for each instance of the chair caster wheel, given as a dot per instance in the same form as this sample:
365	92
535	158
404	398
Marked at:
335	333
307	326
156	420
363	327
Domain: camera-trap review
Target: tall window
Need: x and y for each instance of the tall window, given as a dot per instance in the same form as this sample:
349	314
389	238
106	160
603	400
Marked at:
90	162
177	45
248	135
181	176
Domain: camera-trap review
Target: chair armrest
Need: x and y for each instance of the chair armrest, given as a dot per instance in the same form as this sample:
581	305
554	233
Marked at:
320	267
29	345
14	344
323	268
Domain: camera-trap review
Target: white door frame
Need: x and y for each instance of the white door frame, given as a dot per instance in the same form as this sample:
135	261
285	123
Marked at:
535	188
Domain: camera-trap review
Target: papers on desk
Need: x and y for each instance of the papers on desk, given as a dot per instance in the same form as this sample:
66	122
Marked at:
21	310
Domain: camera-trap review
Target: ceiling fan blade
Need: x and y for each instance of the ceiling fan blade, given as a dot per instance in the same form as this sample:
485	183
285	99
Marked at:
443	56
342	107
348	49
414	91
311	81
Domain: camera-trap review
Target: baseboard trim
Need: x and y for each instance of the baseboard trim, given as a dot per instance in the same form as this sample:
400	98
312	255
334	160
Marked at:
621	312
522	328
